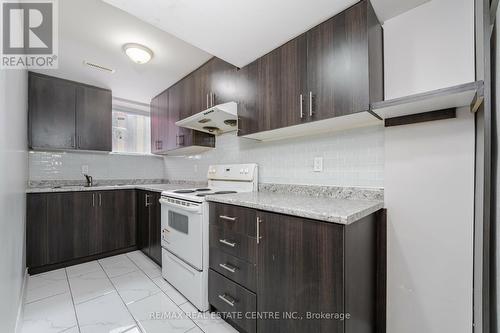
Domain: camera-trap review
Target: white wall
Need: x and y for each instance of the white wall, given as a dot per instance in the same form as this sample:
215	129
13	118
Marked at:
350	158
68	166
430	47
429	173
13	178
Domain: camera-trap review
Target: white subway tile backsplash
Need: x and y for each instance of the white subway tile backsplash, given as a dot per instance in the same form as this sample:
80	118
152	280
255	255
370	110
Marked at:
351	158
68	166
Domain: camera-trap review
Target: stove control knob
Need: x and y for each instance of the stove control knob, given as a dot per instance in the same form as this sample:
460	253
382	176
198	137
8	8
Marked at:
246	171
241	171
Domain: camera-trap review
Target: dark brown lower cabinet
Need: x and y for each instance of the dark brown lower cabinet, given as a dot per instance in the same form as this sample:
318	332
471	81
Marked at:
149	224
66	227
311	276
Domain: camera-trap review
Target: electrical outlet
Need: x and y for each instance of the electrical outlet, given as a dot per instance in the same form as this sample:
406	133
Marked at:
85	169
318	164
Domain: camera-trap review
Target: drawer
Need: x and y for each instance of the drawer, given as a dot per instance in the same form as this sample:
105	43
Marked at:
240	271
238	245
227	296
233	218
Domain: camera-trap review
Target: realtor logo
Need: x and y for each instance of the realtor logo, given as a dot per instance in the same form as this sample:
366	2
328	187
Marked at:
29	34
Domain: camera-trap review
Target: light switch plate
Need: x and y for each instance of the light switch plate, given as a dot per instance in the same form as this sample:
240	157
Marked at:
318	164
85	169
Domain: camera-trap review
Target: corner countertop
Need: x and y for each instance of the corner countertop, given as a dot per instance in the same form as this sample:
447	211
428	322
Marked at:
146	187
341	211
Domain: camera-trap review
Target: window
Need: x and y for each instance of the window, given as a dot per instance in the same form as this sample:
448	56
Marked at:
131	131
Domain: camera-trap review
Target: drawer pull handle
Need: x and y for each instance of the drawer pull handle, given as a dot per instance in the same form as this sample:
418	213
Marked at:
227	268
225	242
227	218
224	298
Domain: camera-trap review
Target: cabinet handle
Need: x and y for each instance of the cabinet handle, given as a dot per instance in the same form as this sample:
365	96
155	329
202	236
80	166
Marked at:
227	218
225	242
301	101
207	102
213	98
224	298
93	199
100	200
228	268
259	221
310	104
72	142
181	142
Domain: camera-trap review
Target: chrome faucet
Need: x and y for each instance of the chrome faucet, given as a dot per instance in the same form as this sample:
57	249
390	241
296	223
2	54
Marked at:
90	181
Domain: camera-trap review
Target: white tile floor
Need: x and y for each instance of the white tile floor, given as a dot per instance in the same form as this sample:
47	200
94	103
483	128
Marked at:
124	293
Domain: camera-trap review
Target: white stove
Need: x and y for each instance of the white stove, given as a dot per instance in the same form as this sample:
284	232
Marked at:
184	224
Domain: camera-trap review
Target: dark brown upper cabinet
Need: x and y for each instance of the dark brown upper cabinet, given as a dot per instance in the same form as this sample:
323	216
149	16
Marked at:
68	115
52	113
333	70
93	122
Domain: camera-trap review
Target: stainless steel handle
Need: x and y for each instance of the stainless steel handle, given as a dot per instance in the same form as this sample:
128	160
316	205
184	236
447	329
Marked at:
230	302
227	218
310	104
100	199
93	199
225	242
146	201
301	101
212	99
207	102
258	229
227	268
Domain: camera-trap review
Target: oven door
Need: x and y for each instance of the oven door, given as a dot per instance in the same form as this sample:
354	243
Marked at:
182	230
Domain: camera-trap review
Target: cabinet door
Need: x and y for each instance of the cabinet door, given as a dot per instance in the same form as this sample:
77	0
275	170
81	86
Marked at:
37	238
221	82
93	123
116	226
163	122
155	227
51	113
337	66
300	269
68	216
201	89
143	222
154	121
175	99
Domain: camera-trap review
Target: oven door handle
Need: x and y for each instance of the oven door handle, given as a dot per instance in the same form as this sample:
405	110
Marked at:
185	208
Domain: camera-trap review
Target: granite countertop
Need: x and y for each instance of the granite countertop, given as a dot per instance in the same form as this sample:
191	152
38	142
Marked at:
342	211
147	187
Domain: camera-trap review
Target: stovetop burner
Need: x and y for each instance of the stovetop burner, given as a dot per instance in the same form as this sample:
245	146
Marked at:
218	192
184	191
202	189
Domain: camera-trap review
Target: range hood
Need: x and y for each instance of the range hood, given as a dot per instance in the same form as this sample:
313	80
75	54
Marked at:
216	120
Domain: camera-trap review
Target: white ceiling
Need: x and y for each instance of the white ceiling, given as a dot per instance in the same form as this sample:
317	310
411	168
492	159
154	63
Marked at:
240	31
95	31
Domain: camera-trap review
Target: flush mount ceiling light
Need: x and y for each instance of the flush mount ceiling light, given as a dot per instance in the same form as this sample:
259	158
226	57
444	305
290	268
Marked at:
139	54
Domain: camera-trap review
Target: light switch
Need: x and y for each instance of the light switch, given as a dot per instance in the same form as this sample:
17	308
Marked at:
318	164
85	169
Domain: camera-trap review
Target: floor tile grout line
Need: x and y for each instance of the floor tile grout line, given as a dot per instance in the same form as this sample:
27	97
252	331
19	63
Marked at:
178	305
44	298
125	304
96	297
72	300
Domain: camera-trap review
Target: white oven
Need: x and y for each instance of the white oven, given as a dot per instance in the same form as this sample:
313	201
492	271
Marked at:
182	229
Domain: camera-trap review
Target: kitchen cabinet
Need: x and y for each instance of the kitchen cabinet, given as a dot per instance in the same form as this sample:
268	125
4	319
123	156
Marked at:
65	228
155	124
52	113
272	89
333	70
276	263
159	123
149	224
68	115
93	123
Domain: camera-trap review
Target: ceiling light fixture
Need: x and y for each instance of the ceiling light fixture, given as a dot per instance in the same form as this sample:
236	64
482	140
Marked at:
139	54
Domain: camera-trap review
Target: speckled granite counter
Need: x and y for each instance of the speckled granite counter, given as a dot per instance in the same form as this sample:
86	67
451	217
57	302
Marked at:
147	187
342	211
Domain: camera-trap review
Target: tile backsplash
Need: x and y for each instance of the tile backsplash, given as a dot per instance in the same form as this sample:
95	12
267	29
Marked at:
350	158
68	166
